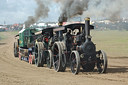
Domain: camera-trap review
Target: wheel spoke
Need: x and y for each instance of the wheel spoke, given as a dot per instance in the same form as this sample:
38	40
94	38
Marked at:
48	59
55	49
102	62
73	64
56	63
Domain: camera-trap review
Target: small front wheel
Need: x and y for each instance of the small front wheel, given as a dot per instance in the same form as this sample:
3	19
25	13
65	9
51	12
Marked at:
16	49
49	59
102	62
75	62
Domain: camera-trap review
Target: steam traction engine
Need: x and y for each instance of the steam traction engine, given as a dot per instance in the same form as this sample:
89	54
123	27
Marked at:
24	46
35	46
77	49
43	53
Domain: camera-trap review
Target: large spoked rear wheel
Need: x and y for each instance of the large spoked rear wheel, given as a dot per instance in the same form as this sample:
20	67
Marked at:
57	57
38	54
63	61
102	62
16	49
75	62
49	59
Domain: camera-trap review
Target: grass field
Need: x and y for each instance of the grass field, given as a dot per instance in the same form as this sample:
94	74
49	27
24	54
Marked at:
14	32
2	35
114	42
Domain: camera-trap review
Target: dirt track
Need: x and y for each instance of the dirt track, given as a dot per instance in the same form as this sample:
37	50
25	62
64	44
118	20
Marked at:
16	72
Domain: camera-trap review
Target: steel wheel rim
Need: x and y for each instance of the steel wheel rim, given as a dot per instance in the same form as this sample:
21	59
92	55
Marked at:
48	60
36	54
56	57
101	63
73	64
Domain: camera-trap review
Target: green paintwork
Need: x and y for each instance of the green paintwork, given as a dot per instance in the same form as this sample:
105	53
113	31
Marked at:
26	36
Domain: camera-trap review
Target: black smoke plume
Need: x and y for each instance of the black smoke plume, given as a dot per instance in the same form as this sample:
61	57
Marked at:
109	9
41	11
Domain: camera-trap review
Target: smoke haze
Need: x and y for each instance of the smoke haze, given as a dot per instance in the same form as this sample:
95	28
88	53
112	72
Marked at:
41	11
109	9
104	9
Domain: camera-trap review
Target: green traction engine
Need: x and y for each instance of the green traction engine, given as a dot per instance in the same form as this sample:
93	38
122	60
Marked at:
25	41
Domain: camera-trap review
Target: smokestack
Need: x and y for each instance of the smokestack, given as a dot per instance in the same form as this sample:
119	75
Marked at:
87	28
60	24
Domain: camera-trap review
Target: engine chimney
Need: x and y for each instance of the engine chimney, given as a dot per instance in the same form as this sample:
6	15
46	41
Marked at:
87	29
60	24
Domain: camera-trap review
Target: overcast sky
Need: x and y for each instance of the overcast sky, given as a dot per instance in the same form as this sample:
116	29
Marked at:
17	11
